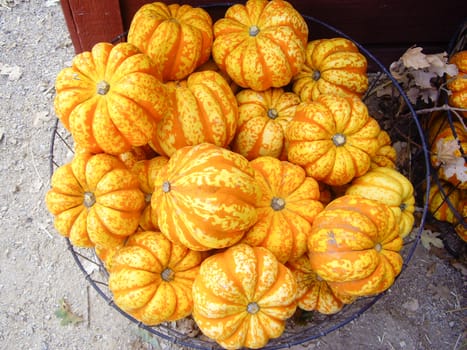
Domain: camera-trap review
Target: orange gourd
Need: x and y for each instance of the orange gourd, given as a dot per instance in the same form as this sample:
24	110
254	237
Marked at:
457	85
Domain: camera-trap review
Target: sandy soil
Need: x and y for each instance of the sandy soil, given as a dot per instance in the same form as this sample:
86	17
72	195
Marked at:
425	309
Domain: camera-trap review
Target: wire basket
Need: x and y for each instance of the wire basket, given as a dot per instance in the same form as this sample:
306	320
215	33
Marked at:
304	326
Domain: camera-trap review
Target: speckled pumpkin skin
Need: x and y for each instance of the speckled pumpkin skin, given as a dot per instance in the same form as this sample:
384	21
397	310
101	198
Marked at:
438	201
332	66
333	138
114	213
206	197
390	187
146	172
260	44
177	37
289	203
458	84
354	245
111	98
151	278
386	154
204	109
243	296
263	117
314	293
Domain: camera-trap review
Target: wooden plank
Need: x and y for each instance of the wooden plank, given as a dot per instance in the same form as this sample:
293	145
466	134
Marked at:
90	22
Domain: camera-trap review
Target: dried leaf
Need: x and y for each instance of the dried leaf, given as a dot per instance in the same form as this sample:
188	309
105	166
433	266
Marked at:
65	314
429	238
446	156
411	304
14	72
439	64
414	58
423	78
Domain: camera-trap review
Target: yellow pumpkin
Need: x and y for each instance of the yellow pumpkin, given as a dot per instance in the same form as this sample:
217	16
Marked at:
443	201
354	245
332	66
151	278
388	186
333	138
95	200
177	37
457	85
260	44
314	293
205	197
111	98
204	109
146	171
262	120
461	227
289	203
386	154
243	296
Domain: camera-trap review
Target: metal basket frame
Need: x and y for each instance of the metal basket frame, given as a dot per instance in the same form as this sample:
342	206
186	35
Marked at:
325	324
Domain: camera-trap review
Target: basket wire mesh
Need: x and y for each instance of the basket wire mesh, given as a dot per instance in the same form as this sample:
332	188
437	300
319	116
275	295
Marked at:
313	324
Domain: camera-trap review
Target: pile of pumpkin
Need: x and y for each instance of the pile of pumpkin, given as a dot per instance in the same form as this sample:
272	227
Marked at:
229	171
447	137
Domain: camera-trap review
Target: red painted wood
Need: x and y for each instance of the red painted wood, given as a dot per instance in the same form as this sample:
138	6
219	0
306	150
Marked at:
385	27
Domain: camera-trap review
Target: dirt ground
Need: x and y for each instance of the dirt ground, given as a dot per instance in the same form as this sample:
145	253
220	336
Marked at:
425	309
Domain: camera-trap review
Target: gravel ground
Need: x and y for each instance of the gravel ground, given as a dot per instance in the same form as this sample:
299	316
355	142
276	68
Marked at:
425	309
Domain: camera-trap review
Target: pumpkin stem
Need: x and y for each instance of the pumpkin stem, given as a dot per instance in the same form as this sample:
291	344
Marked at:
147	197
378	247
253	30
403	206
168	274
89	199
338	139
272	113
103	87
252	308
316	75
277	203
166	186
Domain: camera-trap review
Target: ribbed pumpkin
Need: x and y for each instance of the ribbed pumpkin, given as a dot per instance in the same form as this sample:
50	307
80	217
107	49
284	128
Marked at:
243	296
136	154
205	197
262	120
177	37
260	44
151	278
390	187
314	293
332	66
95	200
386	154
458	85
447	156
333	138
354	245
204	109
110	98
443	201
289	203
146	172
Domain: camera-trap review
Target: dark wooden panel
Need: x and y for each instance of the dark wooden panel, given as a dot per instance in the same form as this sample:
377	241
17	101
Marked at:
385	27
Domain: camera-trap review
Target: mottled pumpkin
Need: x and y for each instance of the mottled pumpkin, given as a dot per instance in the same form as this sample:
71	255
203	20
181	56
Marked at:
443	201
333	138
151	278
243	296
260	44
289	203
262	120
146	172
111	98
354	245
206	197
447	154
457	85
95	200
388	186
137	154
177	37
332	66
386	154
314	293
204	109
